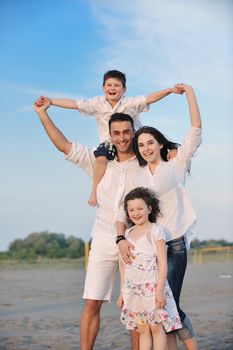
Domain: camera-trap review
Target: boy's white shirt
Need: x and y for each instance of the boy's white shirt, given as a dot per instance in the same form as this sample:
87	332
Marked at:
102	110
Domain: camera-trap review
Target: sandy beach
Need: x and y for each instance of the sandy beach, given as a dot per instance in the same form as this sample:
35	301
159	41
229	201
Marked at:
40	306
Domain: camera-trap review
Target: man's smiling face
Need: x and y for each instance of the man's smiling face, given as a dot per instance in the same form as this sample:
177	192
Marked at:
122	134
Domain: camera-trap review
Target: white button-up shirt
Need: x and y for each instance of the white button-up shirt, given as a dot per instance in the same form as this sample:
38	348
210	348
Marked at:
168	181
110	190
178	215
102	110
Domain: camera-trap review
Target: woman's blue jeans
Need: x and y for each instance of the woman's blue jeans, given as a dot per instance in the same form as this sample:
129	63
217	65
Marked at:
177	263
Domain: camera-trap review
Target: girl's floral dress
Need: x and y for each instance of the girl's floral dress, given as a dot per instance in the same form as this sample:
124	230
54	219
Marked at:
140	283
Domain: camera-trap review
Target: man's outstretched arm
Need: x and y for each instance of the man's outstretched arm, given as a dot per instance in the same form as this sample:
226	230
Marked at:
55	135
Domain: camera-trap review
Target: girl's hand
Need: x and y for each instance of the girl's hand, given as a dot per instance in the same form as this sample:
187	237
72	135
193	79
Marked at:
120	301
160	299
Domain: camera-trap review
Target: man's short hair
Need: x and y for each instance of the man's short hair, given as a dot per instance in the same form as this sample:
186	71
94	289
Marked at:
115	74
120	117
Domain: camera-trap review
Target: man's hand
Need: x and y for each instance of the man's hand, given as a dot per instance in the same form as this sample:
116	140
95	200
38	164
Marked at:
41	104
125	248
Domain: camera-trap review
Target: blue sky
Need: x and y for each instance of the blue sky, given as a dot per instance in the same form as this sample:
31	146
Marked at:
62	49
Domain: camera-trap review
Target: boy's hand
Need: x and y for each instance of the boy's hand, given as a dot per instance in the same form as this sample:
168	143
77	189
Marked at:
160	300
172	153
42	100
41	104
120	301
183	87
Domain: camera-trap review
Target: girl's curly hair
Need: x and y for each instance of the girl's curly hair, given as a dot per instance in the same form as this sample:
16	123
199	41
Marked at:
150	199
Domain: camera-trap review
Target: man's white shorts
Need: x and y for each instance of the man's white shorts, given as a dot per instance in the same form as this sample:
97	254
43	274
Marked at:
101	273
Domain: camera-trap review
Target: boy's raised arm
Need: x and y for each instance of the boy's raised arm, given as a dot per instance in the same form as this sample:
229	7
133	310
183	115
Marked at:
64	103
58	102
158	95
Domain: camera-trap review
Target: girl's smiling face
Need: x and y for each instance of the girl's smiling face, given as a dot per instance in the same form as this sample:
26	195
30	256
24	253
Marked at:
138	211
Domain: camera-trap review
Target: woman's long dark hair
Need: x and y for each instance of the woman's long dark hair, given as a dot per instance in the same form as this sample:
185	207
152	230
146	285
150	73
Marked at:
161	139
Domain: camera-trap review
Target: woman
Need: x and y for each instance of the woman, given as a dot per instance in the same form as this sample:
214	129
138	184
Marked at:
167	180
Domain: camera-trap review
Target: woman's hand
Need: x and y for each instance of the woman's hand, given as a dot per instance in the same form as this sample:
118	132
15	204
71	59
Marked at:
175	89
183	87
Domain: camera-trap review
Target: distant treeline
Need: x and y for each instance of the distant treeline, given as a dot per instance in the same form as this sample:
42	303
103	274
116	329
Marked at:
57	245
45	245
196	244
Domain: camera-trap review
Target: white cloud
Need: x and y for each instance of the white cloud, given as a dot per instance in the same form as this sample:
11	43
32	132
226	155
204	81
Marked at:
15	87
22	92
162	41
161	120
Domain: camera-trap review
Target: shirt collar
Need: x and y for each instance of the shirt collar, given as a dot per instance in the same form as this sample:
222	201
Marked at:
125	161
118	103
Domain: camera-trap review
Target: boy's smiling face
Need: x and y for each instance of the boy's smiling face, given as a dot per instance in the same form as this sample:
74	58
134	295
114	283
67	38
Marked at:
113	90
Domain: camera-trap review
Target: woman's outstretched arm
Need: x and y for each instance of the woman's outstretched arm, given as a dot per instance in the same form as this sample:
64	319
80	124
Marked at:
195	118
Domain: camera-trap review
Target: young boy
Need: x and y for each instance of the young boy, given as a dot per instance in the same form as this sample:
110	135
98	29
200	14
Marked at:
102	107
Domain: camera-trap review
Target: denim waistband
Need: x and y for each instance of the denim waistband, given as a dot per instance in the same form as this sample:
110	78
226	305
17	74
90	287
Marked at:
177	240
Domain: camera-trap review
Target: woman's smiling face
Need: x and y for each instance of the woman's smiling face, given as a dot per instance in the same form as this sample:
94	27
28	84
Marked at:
149	148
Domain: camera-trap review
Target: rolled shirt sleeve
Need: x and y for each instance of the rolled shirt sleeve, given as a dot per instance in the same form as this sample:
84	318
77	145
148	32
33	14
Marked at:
188	150
81	156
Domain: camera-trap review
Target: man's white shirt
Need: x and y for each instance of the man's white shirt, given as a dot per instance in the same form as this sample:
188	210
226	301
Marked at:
120	177
110	191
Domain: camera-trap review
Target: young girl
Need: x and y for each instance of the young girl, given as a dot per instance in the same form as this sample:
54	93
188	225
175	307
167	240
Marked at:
146	299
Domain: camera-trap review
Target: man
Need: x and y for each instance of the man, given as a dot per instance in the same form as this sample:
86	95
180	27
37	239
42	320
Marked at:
104	254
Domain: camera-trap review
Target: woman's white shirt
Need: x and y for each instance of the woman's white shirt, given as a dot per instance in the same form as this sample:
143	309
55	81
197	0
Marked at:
168	182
